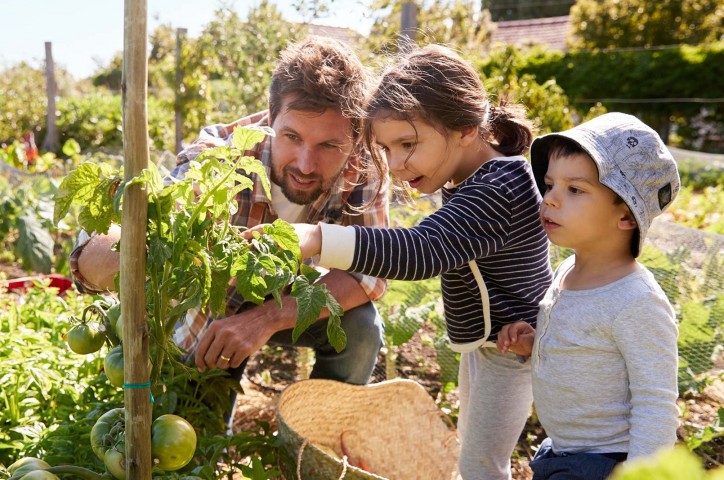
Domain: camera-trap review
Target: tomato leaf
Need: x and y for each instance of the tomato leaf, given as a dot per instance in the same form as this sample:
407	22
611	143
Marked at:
78	186
284	236
250	281
311	298
34	245
310	302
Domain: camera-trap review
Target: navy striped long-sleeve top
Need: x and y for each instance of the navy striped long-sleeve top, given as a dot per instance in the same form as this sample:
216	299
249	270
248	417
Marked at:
492	218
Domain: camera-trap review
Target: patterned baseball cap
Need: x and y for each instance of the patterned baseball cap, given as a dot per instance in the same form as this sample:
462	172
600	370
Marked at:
632	160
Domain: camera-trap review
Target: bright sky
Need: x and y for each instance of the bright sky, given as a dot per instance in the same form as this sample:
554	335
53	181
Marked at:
86	33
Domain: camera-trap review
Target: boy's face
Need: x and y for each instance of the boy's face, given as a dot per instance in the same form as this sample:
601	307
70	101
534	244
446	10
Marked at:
579	212
309	152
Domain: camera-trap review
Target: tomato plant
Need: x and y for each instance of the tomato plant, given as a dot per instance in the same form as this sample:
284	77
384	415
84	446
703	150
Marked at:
193	254
194	251
173	442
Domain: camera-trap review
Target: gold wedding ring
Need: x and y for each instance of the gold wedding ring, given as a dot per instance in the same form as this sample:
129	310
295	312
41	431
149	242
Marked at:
226	359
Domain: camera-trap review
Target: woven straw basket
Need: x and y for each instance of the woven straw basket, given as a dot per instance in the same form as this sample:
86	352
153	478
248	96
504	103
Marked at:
394	427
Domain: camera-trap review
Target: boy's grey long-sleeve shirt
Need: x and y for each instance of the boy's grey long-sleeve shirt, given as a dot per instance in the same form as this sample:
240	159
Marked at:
605	366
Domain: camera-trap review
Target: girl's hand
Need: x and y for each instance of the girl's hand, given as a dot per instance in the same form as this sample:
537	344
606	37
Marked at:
516	337
310	237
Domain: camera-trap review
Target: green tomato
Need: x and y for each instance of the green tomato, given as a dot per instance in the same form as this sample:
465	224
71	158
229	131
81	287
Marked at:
26	465
39	475
115	463
173	442
113	366
86	338
114	315
109	430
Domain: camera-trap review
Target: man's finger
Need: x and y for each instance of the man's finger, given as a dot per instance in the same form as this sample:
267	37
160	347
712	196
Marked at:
202	349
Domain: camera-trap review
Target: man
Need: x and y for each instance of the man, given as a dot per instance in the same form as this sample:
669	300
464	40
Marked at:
317	174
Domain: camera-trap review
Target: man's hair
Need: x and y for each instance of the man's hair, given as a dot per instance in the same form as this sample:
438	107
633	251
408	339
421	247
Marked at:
565	147
320	73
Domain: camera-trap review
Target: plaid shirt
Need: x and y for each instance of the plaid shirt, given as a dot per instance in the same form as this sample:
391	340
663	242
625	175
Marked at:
255	208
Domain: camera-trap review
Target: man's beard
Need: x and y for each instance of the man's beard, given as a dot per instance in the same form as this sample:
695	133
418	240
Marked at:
294	195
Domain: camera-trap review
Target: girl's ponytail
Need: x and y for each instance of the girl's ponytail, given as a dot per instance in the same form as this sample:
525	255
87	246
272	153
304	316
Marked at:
509	130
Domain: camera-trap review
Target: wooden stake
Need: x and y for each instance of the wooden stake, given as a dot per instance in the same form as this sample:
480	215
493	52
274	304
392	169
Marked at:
50	142
133	243
178	112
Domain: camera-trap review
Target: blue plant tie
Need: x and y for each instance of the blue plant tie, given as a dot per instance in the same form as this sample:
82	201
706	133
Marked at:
140	385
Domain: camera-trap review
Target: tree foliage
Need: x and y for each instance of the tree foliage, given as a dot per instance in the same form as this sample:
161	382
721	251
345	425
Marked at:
643	23
23	100
239	56
457	23
545	100
501	10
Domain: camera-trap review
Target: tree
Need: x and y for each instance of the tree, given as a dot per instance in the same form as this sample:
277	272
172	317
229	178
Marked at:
643	23
24	104
523	9
239	57
456	23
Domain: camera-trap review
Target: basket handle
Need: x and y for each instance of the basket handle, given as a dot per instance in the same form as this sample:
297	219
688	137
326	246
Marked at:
299	461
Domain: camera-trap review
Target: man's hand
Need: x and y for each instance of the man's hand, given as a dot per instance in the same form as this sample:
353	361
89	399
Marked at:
228	341
516	337
310	237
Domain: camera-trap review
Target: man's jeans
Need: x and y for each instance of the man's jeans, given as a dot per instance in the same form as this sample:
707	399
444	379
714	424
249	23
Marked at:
364	329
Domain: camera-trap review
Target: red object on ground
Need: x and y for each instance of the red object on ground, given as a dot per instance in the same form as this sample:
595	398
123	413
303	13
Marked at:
56	280
31	150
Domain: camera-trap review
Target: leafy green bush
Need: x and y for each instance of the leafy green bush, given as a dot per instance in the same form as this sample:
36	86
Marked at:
699	174
26	227
95	121
683	72
547	104
22	96
43	382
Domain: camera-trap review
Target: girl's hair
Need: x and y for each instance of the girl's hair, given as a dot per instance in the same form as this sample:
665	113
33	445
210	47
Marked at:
435	85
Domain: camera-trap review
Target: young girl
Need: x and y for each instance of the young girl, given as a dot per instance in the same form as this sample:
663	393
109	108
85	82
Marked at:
431	122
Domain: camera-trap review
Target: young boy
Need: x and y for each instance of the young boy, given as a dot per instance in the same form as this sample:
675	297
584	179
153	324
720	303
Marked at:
604	352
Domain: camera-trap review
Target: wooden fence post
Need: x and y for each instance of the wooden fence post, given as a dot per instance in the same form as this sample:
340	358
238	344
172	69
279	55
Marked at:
50	142
133	243
178	112
408	26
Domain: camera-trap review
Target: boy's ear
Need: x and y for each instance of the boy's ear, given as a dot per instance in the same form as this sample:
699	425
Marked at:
627	221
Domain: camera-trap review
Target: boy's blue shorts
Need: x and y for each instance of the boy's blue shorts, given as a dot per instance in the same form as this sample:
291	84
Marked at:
547	465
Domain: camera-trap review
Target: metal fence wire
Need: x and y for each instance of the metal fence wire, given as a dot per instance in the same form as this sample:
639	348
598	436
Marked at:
686	262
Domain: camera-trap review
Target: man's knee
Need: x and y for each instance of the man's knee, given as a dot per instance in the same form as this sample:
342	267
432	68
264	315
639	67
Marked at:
363	327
